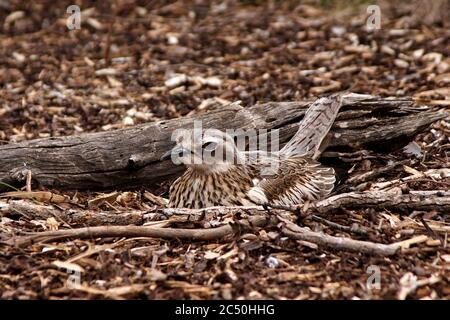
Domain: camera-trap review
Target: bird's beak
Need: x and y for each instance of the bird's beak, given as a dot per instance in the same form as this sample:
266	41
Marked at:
166	156
176	151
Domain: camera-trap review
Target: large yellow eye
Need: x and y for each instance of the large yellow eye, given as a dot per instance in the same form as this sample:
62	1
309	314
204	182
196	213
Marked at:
209	146
209	149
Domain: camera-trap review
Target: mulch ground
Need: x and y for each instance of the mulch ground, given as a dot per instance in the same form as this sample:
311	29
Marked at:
168	60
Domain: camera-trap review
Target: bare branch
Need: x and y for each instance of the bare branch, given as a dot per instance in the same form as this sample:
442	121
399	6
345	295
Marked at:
339	243
135	231
438	200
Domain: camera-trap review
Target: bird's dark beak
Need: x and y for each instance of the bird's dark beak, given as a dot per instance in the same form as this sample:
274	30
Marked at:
166	156
176	151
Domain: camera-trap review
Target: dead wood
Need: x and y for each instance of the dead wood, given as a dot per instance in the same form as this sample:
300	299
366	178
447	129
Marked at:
72	216
136	231
130	157
438	200
360	180
419	200
339	243
208	234
353	229
415	200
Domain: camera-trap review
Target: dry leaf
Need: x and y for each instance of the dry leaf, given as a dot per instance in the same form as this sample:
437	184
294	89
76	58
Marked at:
160	201
52	224
109	197
211	255
407	243
413	149
68	266
126	197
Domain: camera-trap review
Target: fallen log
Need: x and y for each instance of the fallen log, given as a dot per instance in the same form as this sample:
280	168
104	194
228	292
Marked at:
131	157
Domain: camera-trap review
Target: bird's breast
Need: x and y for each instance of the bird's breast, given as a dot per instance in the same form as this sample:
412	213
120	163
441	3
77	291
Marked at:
206	189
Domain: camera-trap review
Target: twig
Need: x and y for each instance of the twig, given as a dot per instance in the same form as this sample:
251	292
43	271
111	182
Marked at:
334	225
361	179
447	184
295	232
134	231
77	217
28	184
296	210
430	231
438	200
436	174
340	227
106	53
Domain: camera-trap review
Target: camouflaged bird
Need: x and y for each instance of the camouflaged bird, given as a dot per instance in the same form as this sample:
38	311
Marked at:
244	178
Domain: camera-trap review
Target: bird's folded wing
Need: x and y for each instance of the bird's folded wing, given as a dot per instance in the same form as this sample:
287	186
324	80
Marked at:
296	180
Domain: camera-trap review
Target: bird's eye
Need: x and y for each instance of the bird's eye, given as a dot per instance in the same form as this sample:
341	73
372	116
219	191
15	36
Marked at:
209	146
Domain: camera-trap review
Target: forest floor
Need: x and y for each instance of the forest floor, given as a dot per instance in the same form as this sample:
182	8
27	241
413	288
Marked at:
171	60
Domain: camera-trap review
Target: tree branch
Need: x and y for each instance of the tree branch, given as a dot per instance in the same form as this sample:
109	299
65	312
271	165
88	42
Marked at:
438	200
339	243
135	231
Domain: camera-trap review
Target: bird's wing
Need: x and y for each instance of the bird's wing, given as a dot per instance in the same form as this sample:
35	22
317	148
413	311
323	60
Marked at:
313	128
297	179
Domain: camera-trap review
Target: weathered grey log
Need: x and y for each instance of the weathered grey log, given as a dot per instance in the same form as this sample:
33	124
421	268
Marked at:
130	157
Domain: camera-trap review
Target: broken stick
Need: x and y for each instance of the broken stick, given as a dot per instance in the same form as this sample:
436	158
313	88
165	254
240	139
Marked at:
134	231
438	200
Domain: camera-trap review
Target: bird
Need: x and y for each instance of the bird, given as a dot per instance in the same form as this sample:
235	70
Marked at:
221	174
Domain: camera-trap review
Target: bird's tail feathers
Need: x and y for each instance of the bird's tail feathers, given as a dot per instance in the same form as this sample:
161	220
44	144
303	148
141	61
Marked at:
314	128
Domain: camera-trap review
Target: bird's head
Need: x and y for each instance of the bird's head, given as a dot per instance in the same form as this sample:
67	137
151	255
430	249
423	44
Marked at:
208	150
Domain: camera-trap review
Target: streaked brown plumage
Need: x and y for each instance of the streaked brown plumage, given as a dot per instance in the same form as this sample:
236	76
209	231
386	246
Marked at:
230	181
